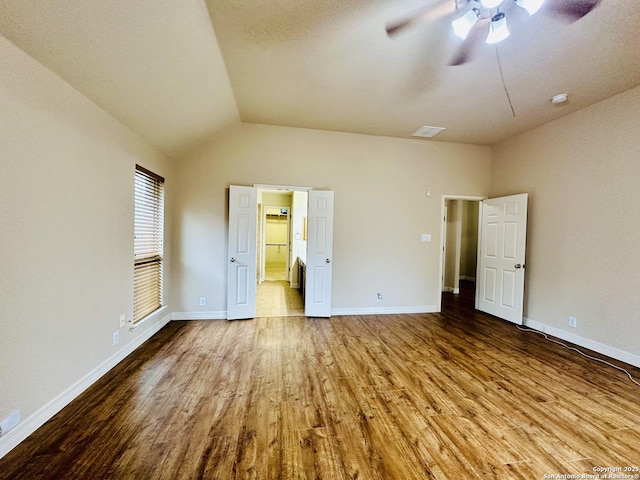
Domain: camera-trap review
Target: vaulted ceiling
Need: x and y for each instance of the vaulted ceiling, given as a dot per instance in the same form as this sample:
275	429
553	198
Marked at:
177	71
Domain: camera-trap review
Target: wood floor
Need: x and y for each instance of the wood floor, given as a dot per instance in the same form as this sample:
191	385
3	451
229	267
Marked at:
458	395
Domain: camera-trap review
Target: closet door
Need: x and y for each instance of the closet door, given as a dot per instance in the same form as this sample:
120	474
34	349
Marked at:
319	254
241	273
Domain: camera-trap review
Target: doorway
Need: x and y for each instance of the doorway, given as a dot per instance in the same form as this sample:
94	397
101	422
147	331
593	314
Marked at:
459	247
280	244
311	267
275	245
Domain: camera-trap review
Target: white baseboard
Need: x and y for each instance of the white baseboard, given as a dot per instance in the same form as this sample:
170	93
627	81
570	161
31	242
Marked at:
213	315
222	314
383	310
455	291
593	345
469	279
40	417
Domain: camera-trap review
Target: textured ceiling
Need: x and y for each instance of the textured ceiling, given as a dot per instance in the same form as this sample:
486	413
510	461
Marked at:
330	65
157	65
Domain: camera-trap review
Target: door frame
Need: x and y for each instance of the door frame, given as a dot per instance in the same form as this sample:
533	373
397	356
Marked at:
443	256
443	226
257	188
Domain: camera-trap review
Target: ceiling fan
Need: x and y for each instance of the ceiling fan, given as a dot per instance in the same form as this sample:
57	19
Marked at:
487	19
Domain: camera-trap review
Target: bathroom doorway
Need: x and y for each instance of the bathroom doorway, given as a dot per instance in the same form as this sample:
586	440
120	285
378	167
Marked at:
281	246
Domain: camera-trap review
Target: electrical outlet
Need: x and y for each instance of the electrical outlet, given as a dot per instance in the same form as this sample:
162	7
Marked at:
379	297
123	319
9	423
116	337
573	323
203	301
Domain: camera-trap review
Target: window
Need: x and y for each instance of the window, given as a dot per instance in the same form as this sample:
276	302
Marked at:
147	244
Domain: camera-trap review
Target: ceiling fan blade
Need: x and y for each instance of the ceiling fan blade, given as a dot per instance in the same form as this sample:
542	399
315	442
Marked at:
436	10
573	10
466	50
393	28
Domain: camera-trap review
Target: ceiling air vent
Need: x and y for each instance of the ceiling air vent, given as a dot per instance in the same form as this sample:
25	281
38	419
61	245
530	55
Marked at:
427	132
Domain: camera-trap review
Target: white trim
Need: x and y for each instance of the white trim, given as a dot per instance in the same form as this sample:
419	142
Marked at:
152	316
44	414
222	315
602	348
383	310
286	188
218	315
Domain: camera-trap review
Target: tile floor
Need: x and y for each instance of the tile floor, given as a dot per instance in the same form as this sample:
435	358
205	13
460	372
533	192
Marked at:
274	274
278	299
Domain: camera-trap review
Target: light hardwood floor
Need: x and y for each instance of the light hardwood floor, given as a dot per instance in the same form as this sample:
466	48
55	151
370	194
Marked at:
458	395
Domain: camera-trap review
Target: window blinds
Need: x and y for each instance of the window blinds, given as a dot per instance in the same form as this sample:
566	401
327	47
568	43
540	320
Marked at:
148	236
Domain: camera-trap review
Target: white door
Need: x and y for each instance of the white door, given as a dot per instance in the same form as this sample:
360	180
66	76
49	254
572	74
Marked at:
241	260
503	232
319	254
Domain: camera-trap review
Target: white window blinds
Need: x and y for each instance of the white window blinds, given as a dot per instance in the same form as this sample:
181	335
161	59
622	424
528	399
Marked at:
148	236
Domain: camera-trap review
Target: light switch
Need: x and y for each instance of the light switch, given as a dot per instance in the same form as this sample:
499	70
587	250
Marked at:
426	237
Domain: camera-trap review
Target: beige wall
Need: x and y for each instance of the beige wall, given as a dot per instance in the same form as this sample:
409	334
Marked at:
381	208
66	233
271	199
582	173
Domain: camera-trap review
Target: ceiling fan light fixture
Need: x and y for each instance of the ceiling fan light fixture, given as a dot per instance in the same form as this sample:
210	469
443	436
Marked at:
491	3
498	30
463	25
531	6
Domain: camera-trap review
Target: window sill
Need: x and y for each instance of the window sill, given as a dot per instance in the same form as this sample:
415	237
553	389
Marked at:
156	314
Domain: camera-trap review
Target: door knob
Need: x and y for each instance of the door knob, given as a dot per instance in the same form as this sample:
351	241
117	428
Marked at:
327	261
233	260
517	265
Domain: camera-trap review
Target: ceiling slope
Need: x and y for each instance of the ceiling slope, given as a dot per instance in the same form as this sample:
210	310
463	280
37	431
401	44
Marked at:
154	65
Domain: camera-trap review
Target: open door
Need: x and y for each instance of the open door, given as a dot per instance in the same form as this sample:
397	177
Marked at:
319	254
501	257
241	276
